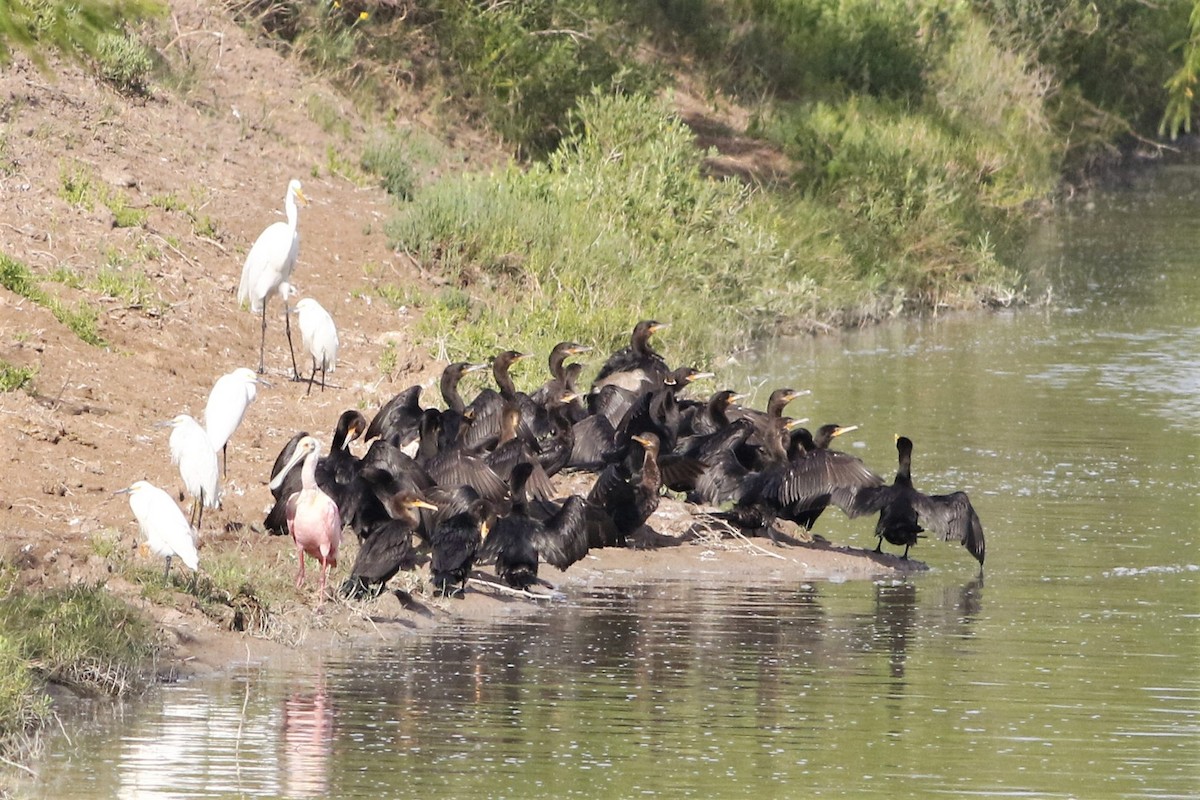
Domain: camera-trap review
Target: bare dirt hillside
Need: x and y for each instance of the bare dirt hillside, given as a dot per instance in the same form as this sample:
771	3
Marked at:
208	162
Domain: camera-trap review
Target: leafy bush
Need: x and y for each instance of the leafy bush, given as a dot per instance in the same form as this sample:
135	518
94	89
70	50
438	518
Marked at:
124	62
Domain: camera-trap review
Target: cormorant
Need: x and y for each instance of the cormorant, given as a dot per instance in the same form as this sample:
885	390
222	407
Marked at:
636	367
619	502
904	512
455	544
400	417
385	547
488	405
803	486
519	538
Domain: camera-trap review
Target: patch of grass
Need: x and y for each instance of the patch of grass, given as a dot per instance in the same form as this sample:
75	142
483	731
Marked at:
79	187
125	215
81	319
388	360
23	707
66	276
81	637
168	202
131	287
402	296
323	111
107	545
124	63
14	378
337	163
388	159
205	227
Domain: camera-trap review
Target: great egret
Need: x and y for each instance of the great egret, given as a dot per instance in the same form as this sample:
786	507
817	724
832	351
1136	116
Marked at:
163	525
313	517
192	451
320	338
231	395
268	266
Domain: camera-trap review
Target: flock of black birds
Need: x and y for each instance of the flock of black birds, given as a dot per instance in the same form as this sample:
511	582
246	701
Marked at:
470	484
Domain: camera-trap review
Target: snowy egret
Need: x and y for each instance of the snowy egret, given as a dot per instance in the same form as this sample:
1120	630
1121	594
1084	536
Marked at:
231	395
320	338
192	451
163	525
268	266
312	516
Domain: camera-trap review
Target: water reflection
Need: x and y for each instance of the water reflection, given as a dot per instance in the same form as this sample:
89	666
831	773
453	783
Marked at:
308	734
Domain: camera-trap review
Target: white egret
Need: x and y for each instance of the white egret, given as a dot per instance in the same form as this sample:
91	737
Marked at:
312	516
192	451
268	266
228	400
163	525
320	338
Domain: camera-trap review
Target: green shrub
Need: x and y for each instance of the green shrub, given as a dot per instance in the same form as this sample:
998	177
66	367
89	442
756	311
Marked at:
124	62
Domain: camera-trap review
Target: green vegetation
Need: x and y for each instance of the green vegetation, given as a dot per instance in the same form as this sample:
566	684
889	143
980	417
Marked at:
81	320
14	378
388	158
79	188
76	28
1181	95
620	223
81	637
124	62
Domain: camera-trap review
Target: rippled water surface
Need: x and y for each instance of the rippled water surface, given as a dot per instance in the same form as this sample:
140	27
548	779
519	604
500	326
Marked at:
1070	669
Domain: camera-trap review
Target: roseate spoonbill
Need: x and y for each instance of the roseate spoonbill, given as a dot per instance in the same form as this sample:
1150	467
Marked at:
268	266
312	516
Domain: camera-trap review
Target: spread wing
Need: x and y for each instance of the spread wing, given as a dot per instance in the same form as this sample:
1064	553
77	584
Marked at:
953	518
562	540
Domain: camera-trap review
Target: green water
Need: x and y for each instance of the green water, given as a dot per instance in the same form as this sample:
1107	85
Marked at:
1070	669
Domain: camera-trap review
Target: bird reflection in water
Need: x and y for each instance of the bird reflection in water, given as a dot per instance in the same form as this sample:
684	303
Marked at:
895	620
308	741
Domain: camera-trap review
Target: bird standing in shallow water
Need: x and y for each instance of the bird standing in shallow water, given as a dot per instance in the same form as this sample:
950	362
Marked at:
312	516
192	451
163	525
320	337
904	512
268	267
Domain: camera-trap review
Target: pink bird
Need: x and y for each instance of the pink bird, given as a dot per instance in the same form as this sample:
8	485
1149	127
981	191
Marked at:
312	516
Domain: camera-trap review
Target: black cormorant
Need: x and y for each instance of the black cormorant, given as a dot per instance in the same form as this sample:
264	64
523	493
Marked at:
904	512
